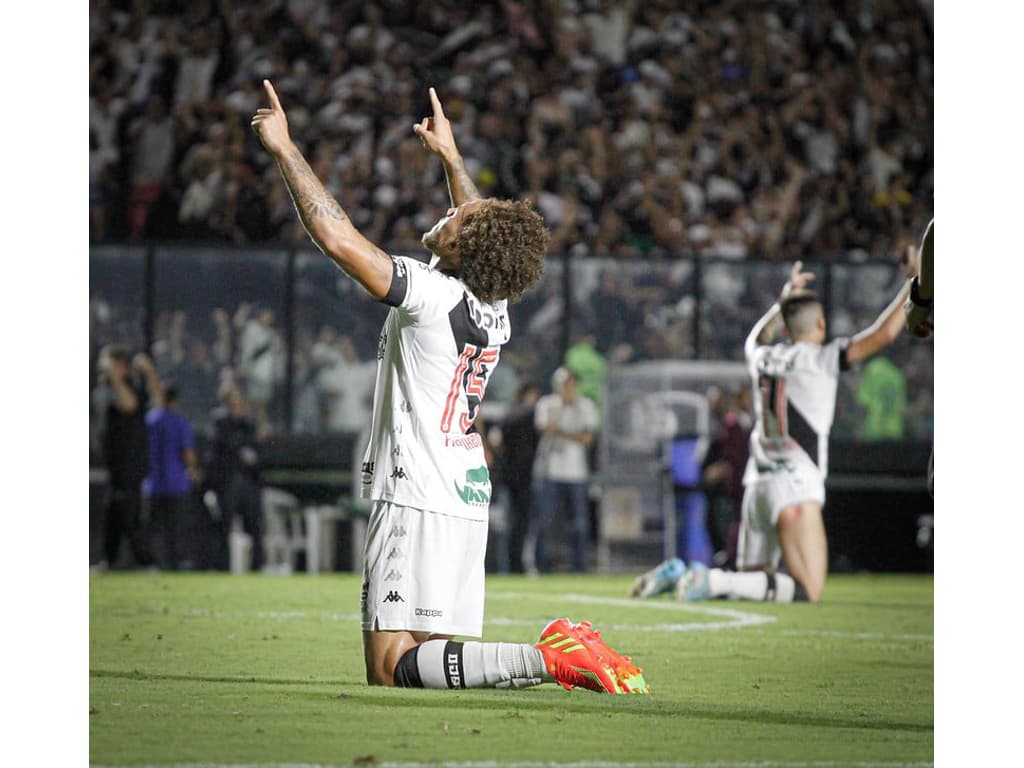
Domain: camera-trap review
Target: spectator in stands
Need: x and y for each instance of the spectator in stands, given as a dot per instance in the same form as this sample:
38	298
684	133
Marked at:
567	422
801	131
260	359
173	467
153	147
347	384
128	385
233	468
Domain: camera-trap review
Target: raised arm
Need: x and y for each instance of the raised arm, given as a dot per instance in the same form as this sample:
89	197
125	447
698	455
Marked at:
765	328
327	224
919	308
154	385
882	332
436	134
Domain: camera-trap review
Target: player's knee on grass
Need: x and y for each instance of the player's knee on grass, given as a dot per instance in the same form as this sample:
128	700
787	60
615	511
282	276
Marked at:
805	549
381	668
407	671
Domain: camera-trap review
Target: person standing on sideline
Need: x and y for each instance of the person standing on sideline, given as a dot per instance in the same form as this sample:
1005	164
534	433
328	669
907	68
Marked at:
233	468
567	422
519	438
794	387
424	469
129	385
173	466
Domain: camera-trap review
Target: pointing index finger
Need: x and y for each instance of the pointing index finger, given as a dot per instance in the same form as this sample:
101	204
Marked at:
272	95
438	112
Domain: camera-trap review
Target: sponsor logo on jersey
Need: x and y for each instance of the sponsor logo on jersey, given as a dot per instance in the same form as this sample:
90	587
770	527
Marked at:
393	597
429	612
468	442
484	316
477	490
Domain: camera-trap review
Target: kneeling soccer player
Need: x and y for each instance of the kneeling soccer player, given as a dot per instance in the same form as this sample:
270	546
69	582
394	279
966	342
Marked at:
794	387
424	469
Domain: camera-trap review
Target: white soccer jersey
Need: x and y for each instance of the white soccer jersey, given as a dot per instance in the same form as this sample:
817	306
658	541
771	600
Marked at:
794	404
436	351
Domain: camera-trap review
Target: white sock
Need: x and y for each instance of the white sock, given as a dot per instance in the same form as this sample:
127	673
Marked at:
451	664
751	585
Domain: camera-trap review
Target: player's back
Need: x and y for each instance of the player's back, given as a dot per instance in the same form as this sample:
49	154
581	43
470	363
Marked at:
794	403
436	352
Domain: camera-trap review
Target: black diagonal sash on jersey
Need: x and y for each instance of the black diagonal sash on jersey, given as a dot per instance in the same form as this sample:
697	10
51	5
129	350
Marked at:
801	431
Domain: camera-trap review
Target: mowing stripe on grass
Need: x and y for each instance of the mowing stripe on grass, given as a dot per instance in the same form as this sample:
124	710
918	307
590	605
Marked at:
855	635
734	619
731	617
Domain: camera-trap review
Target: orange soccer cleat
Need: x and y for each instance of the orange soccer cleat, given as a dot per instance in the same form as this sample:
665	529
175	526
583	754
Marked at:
577	657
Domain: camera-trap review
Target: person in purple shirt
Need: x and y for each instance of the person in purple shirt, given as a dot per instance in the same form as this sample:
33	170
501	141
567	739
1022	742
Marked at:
172	462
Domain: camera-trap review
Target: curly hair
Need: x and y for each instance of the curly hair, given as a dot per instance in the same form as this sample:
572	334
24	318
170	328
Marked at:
501	249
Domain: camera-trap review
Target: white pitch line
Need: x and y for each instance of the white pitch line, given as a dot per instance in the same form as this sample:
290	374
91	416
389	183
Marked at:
733	618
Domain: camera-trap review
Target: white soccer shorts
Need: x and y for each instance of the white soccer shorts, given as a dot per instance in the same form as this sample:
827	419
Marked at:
423	572
763	500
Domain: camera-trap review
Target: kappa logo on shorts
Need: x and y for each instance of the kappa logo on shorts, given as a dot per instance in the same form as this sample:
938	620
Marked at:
395	552
393	575
398	473
393	597
397	531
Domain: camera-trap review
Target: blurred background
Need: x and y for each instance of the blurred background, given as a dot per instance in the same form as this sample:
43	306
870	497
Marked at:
683	155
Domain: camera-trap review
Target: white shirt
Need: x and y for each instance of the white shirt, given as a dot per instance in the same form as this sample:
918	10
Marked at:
436	352
349	384
794	404
561	458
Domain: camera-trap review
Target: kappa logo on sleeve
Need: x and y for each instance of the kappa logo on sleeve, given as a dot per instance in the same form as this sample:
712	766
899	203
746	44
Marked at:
477	490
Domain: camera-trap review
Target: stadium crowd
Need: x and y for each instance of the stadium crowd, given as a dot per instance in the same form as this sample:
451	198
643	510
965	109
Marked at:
648	134
729	129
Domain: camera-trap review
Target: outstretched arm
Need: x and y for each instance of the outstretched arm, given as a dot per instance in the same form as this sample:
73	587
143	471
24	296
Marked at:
436	134
882	332
326	223
919	308
765	328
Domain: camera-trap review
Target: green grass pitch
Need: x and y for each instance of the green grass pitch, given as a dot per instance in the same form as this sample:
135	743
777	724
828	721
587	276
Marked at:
218	670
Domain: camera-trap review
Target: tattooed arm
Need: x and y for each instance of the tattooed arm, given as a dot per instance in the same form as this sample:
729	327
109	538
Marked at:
325	221
436	134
